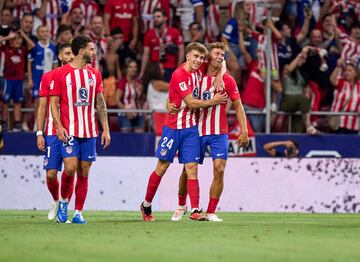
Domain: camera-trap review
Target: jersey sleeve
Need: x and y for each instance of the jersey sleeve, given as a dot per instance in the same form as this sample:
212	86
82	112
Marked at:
180	82
108	7
55	88
230	27
55	60
135	11
147	39
44	86
99	83
178	38
341	82
31	54
231	88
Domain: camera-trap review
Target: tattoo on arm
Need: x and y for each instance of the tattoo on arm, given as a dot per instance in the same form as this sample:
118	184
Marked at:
54	100
102	111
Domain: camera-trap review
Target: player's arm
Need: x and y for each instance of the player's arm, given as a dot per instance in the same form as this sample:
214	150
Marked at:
218	81
243	138
40	122
61	131
270	147
197	103
102	114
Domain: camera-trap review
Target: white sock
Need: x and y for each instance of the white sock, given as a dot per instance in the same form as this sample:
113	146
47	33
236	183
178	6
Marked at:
181	207
77	212
146	204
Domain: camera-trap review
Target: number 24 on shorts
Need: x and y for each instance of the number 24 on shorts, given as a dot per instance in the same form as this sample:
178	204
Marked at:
167	143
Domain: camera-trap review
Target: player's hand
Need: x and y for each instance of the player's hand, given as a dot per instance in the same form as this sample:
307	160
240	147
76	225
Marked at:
105	139
62	134
40	141
219	98
218	84
289	144
243	139
172	109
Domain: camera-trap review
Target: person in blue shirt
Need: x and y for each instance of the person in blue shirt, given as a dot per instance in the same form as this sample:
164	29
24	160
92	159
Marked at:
41	59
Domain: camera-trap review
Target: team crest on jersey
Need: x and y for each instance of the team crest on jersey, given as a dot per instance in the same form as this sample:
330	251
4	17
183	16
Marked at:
183	86
206	95
69	149
52	85
83	94
163	152
91	82
46	161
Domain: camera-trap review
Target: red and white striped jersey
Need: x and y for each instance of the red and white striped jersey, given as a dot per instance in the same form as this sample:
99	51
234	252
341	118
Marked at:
26	7
77	89
212	23
52	16
131	93
146	10
213	120
261	51
90	8
348	96
182	84
47	81
350	50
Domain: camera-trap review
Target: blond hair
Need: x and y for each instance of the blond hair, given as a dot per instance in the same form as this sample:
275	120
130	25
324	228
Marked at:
218	45
196	46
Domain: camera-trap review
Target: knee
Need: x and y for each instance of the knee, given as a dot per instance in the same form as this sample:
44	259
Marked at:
219	172
161	168
70	170
51	175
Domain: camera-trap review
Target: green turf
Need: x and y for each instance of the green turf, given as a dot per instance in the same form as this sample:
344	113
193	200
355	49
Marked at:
121	236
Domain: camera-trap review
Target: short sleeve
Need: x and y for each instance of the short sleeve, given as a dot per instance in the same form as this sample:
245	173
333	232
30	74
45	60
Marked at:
121	85
108	7
55	88
55	60
44	86
178	38
341	82
147	39
229	28
180	82
99	83
31	55
231	88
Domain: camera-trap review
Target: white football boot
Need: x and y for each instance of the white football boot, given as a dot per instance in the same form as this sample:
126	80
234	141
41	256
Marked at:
179	213
213	218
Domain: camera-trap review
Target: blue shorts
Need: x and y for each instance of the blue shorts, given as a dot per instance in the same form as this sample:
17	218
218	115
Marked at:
35	91
82	148
13	89
52	156
218	146
185	140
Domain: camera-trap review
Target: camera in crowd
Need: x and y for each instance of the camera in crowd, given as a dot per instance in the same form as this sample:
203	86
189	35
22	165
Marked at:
171	49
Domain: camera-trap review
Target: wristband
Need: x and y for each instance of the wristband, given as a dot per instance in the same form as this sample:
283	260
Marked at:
39	133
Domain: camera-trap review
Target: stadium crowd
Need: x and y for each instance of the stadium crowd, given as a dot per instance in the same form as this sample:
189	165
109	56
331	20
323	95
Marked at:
315	55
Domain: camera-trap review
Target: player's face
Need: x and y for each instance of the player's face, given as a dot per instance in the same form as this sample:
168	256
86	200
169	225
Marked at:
66	56
89	53
195	59
216	57
159	19
43	33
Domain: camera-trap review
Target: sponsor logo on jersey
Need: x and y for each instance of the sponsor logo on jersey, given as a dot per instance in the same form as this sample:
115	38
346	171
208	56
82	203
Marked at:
183	86
196	92
206	95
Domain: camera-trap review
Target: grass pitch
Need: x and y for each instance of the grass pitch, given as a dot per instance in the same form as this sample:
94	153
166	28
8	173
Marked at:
122	236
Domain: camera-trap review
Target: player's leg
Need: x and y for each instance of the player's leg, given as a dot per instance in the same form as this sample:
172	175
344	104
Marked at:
219	152
189	154
52	164
165	152
71	153
87	156
182	193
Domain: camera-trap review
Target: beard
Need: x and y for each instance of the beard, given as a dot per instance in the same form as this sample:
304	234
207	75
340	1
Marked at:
158	25
87	59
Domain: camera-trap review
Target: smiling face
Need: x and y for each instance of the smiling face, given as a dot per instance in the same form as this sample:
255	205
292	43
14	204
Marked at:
195	59
216	57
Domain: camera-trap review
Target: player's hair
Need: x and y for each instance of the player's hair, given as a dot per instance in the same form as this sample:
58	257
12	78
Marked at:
63	46
40	26
196	46
219	45
159	10
79	42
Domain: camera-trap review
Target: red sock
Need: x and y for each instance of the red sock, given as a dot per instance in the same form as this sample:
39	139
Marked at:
67	185
53	186
153	185
212	205
80	192
194	192
182	200
71	188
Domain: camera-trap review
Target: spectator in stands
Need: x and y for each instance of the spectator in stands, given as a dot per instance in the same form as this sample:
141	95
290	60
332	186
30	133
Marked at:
76	18
42	58
123	14
347	96
156	89
147	8
189	11
6	19
14	74
64	35
19	8
89	8
296	94
26	25
123	51
196	33
96	34
129	95
164	44
291	148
